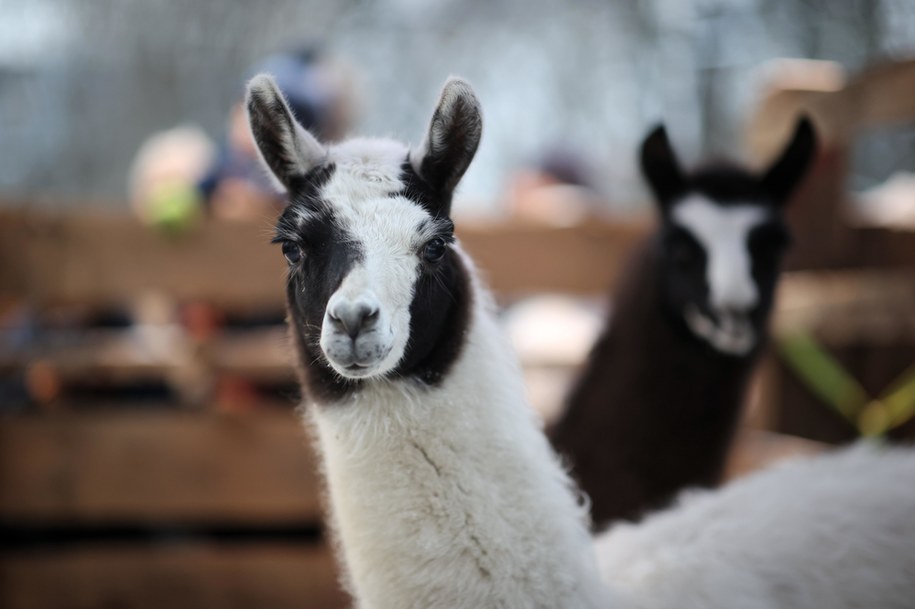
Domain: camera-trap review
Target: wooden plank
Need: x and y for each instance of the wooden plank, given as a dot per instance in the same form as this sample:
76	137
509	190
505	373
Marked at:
121	356
519	259
161	466
263	355
193	575
869	307
881	95
98	259
94	258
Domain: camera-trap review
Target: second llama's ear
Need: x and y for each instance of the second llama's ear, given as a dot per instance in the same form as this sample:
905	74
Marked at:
452	139
661	167
786	172
288	150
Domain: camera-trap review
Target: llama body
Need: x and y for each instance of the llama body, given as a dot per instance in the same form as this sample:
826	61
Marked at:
658	401
444	492
452	498
633	445
832	531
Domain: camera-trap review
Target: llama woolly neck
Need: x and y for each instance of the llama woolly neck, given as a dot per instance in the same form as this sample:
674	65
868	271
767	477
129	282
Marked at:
448	495
635	442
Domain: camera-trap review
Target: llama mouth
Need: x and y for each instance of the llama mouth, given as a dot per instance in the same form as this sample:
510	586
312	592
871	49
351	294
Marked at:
730	334
348	365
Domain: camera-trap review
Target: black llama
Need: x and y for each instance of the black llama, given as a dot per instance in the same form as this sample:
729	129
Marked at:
656	406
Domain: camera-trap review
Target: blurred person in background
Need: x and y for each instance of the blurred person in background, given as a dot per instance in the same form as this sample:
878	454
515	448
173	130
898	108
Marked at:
179	175
556	190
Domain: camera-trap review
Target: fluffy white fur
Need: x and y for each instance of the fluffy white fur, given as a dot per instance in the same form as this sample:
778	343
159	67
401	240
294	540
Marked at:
443	496
451	497
366	172
836	531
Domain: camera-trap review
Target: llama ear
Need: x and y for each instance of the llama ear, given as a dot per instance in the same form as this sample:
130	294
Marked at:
661	167
288	150
452	139
786	172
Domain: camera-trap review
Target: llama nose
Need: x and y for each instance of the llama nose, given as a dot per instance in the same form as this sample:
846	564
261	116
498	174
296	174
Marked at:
354	317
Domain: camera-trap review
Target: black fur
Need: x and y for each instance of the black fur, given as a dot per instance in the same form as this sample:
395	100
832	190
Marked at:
786	172
328	255
418	190
656	407
661	167
654	410
446	156
439	319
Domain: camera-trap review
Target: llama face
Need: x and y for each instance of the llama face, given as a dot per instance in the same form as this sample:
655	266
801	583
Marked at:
721	262
375	288
722	240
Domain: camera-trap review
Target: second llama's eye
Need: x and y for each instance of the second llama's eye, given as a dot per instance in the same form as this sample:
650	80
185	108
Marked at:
434	250
292	252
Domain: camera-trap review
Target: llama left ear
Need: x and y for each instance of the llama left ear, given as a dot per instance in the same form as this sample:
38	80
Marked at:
661	168
786	172
288	150
451	141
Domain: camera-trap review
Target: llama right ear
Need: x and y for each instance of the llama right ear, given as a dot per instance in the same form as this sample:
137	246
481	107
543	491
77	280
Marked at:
787	171
452	139
288	150
661	168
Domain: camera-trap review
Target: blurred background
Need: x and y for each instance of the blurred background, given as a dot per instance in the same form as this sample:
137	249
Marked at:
149	452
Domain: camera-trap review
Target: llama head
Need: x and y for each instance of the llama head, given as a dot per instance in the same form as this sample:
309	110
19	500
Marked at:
376	288
723	235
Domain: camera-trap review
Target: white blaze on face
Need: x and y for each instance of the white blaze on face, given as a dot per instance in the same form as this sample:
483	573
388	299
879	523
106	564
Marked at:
385	227
723	233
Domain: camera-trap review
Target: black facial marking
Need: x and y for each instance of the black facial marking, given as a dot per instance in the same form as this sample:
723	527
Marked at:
416	189
682	267
767	244
440	311
328	255
439	318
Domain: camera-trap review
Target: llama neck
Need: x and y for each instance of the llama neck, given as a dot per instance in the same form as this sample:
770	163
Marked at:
620	417
449	496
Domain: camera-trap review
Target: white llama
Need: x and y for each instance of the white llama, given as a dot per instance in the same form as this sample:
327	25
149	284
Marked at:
444	492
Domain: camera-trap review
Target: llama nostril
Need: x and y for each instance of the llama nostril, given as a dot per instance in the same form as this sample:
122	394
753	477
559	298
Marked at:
354	319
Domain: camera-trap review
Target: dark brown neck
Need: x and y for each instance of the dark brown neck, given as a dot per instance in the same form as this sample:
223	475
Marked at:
654	411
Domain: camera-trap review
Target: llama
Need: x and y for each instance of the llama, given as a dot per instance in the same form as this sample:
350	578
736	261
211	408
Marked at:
657	404
444	492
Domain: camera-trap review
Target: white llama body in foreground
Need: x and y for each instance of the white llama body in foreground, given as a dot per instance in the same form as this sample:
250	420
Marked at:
443	490
451	498
834	531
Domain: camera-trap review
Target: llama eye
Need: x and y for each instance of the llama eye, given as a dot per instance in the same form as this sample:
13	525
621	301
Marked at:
292	252
434	250
683	255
